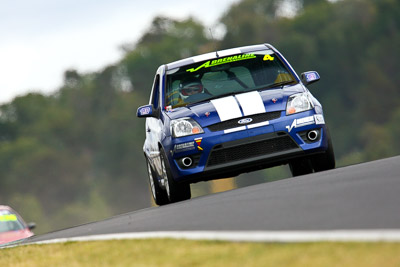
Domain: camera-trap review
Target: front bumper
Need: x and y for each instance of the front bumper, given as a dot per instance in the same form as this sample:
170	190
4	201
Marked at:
226	154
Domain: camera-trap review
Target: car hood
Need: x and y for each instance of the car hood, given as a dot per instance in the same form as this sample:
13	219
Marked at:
232	107
10	236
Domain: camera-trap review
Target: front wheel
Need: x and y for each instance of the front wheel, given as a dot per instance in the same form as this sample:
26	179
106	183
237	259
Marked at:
325	161
175	191
159	194
300	167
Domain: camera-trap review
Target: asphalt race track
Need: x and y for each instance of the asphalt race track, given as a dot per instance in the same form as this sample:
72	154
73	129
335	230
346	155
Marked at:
359	197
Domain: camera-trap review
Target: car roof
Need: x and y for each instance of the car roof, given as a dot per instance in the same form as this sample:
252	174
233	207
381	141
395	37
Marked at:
8	208
217	54
3	207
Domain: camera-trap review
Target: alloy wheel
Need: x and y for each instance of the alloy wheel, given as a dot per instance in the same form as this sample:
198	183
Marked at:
152	186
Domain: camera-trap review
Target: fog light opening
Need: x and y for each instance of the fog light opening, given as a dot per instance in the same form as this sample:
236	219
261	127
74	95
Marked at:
312	135
187	162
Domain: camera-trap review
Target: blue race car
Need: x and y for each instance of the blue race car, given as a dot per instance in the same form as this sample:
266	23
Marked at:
227	112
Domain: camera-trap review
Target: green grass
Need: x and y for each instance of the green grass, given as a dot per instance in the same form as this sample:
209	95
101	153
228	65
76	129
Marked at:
168	252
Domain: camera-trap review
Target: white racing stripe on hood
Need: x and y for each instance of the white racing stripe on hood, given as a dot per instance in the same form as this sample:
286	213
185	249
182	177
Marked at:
251	103
227	108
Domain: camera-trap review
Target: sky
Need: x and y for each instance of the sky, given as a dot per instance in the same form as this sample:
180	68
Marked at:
41	39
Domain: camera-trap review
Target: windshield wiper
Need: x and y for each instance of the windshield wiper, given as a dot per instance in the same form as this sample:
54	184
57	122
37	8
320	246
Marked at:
217	96
228	94
275	85
263	87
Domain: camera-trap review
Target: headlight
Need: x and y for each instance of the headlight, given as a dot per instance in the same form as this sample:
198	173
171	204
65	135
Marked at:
298	103
184	127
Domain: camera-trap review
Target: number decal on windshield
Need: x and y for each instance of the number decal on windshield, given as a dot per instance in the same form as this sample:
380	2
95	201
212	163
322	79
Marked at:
268	57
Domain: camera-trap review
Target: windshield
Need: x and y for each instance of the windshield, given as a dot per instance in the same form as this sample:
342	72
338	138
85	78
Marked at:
9	222
234	74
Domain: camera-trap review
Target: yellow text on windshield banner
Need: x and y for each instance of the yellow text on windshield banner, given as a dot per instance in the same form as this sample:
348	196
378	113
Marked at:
8	218
221	61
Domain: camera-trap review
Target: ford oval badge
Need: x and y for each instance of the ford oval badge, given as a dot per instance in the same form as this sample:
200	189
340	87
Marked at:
245	121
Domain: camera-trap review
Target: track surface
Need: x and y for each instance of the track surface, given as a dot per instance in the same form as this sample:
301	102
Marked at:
364	196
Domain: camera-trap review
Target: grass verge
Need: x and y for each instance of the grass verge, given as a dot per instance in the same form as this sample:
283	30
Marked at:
169	252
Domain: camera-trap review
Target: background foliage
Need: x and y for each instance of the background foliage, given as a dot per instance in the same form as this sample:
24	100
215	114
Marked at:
76	156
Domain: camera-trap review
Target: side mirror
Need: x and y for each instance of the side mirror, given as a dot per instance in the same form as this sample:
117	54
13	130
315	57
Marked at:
31	225
309	77
148	111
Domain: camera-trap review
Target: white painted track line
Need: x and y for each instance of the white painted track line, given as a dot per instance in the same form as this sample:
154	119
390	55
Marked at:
251	236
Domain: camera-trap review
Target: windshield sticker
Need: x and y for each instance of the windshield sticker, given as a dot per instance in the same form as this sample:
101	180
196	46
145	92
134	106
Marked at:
8	218
268	57
224	60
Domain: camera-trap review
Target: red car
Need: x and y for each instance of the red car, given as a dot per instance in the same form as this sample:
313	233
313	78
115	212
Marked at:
12	226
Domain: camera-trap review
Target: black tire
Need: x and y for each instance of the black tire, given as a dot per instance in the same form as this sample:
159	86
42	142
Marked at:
300	167
159	194
326	161
175	191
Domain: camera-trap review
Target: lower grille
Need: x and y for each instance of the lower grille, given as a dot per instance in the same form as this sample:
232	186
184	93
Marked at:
251	150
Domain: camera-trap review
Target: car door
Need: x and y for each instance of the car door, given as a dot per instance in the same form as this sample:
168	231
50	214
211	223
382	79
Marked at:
154	126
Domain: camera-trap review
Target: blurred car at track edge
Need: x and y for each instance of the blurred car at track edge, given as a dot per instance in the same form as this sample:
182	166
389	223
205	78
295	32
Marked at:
12	226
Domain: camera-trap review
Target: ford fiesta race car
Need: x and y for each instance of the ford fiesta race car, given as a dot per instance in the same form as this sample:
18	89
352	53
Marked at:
227	112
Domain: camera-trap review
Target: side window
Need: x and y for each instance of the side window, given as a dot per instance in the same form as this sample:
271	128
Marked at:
155	93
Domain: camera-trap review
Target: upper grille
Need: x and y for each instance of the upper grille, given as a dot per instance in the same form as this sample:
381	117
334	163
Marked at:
245	151
233	123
